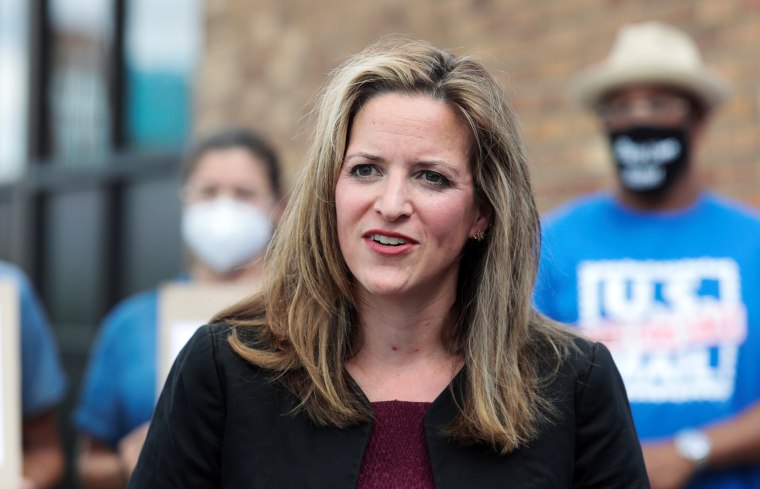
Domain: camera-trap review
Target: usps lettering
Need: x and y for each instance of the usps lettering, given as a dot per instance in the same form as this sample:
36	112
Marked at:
673	327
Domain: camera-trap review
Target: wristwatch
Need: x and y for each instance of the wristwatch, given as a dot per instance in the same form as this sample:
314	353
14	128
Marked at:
694	446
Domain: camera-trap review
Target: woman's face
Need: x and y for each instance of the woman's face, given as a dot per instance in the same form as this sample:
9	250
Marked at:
405	201
229	202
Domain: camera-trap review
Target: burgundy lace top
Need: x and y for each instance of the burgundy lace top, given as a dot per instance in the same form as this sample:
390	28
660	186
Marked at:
396	456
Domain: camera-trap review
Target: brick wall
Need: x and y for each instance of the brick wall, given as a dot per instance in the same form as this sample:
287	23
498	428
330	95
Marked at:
265	59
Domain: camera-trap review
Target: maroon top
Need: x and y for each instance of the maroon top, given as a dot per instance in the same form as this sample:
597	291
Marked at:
396	456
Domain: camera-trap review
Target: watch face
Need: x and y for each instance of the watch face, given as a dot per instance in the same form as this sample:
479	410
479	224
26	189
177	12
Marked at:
693	445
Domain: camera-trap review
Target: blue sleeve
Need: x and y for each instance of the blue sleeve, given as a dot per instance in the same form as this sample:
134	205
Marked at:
43	383
98	412
119	389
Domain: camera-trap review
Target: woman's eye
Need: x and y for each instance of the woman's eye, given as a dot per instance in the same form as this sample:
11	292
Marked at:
363	171
435	178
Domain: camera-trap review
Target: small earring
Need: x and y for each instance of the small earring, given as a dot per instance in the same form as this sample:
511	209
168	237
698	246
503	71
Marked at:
479	236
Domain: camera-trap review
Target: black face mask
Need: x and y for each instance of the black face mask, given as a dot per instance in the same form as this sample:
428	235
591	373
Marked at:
650	160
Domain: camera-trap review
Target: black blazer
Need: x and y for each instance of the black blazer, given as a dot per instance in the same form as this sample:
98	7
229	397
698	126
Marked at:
221	423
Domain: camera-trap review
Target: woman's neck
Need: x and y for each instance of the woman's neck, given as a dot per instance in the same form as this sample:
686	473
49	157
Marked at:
402	348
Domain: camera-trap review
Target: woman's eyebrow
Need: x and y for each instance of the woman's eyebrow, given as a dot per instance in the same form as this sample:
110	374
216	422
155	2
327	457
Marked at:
431	164
362	154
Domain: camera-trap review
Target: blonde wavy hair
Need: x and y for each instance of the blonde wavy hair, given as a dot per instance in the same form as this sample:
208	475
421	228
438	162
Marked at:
302	325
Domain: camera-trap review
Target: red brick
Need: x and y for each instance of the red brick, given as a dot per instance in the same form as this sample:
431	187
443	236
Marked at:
264	60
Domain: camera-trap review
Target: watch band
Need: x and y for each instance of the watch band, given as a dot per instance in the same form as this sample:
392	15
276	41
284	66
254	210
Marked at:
693	445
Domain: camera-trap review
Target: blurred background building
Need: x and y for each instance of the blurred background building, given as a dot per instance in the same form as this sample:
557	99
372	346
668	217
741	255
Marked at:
96	102
98	97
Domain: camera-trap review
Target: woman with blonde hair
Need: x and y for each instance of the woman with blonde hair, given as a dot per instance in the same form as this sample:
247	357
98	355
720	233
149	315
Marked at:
394	344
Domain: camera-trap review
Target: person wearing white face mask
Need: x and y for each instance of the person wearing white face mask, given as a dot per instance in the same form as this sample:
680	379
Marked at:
231	200
225	233
231	195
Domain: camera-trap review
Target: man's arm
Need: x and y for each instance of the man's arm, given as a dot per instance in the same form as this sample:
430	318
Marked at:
735	442
43	461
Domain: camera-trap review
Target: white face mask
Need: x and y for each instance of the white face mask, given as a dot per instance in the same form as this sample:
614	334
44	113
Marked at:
225	233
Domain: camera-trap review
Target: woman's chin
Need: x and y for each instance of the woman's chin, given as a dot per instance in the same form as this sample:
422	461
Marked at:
384	288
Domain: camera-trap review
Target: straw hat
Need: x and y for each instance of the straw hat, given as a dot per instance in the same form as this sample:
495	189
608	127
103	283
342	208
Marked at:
651	53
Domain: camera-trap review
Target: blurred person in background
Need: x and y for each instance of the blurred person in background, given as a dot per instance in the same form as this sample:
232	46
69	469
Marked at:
663	271
231	201
43	386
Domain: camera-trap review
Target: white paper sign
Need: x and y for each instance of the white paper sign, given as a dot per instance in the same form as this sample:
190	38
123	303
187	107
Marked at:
10	398
179	333
182	309
3	389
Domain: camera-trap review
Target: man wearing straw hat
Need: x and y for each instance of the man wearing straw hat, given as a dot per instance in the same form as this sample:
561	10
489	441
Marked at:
664	272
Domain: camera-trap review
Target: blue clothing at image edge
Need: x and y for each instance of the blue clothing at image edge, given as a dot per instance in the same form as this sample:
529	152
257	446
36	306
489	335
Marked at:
119	390
43	383
597	235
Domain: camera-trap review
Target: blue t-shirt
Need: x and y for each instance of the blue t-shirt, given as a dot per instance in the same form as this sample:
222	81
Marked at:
119	391
676	298
43	383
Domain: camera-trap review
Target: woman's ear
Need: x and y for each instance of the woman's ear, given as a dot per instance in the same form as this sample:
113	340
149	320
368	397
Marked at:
484	218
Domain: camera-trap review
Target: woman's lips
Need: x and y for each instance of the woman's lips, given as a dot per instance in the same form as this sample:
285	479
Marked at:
388	243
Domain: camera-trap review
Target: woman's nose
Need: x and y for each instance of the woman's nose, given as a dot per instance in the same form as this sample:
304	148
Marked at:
393	200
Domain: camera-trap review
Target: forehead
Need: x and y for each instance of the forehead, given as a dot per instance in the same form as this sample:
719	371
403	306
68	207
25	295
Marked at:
643	92
420	117
236	165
